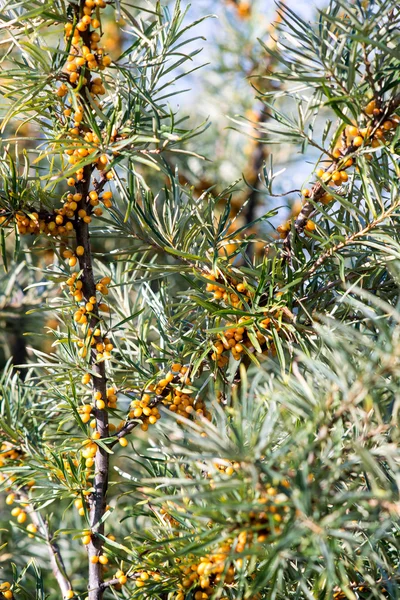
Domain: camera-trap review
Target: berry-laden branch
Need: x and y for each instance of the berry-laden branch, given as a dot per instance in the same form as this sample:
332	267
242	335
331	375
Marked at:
86	56
382	123
100	484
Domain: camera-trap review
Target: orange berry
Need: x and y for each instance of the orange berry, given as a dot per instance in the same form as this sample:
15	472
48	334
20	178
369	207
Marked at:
353	131
310	226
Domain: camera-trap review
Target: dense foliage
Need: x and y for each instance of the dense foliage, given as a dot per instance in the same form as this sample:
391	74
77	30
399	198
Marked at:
209	404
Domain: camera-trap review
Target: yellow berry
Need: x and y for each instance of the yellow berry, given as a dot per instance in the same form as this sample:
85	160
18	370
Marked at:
369	109
22	517
32	530
123	442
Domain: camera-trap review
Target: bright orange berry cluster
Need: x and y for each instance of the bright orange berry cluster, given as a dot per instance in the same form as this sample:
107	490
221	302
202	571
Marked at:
218	288
5	590
375	134
237	340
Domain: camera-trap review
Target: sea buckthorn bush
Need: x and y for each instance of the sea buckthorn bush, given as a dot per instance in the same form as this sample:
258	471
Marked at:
208	405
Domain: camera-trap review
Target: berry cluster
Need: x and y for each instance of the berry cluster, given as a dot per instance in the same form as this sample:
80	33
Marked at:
62	221
92	338
85	57
31	222
169	391
5	590
236	339
220	291
79	505
378	130
81	55
9	452
184	405
89	450
75	290
201	578
145	410
142	578
284	229
267	519
18	512
225	469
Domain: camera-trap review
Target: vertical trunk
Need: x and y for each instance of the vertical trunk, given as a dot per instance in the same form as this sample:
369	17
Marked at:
98	498
100	483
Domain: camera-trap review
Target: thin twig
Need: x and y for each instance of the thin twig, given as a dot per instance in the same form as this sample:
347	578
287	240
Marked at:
57	563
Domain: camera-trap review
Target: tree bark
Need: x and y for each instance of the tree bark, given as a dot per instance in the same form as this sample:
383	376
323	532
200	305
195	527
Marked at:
101	462
100	483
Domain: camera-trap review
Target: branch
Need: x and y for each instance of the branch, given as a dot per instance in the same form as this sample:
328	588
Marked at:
317	191
352	238
131	425
115	581
101	464
57	563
